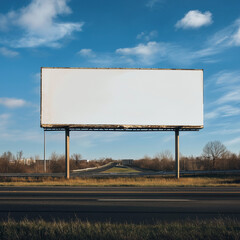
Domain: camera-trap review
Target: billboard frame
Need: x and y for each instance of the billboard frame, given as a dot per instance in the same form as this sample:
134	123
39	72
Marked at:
115	127
125	128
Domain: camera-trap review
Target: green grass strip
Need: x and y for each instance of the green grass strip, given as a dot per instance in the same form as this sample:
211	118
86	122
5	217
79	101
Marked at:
198	229
121	170
110	181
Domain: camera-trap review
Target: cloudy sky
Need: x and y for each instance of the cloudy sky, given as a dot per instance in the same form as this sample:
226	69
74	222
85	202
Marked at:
130	33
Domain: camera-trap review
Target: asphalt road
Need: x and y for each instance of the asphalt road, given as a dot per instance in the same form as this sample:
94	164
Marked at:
137	205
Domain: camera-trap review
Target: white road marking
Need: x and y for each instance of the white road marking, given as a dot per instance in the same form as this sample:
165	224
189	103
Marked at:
142	200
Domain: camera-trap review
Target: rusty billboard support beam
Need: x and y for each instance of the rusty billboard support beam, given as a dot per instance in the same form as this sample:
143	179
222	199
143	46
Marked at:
45	165
177	153
67	169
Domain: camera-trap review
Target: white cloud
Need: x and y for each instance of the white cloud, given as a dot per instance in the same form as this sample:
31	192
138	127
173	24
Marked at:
147	36
141	49
152	52
20	135
195	19
36	77
39	14
217	43
234	141
99	59
205	52
7	52
228	111
4	117
226	37
146	53
151	3
225	130
227	77
39	23
5	20
86	52
12	102
228	84
155	52
236	37
225	91
223	111
232	96
140	35
56	33
168	138
224	82
4	120
211	115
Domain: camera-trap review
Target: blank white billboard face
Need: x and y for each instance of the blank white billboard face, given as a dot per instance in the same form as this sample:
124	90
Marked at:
126	97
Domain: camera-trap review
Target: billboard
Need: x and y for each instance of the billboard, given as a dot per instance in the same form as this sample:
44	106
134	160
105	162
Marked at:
121	98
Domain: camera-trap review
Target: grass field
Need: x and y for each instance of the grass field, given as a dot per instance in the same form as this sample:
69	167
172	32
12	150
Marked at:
124	181
121	170
219	229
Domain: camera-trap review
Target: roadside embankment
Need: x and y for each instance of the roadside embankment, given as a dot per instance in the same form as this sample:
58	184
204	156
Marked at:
109	181
220	229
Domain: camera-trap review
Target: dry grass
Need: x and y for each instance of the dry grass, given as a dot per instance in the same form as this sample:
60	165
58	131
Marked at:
220	229
124	181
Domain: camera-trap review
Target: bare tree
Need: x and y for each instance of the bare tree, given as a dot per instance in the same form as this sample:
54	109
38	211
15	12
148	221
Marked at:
165	155
76	157
213	151
19	155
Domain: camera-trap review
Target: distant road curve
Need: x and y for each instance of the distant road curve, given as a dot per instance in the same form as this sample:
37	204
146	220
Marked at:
93	170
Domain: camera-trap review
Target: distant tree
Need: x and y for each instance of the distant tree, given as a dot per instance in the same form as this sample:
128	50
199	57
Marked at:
19	155
54	156
76	157
4	163
8	155
57	163
214	150
165	155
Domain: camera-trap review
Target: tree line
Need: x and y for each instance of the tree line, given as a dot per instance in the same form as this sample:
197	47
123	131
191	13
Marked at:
10	163
215	156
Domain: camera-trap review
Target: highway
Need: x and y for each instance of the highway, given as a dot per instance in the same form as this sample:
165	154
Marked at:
118	204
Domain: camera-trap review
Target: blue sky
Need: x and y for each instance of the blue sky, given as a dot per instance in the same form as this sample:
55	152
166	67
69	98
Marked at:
129	33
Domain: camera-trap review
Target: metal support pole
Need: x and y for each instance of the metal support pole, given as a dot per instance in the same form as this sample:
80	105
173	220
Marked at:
67	170
177	153
45	165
